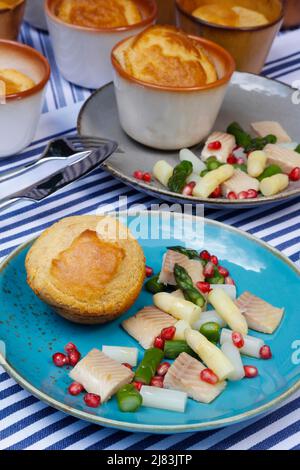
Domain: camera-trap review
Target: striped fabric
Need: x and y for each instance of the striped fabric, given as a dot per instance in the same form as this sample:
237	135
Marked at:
27	423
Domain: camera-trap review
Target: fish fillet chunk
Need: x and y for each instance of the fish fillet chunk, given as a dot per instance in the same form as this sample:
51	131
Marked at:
184	376
192	266
101	375
147	324
228	144
264	128
286	159
239	182
260	315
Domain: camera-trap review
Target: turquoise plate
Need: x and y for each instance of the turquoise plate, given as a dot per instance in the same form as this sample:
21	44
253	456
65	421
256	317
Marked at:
32	332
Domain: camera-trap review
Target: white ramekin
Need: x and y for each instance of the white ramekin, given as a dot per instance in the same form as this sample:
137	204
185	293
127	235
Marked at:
83	54
170	118
35	14
20	113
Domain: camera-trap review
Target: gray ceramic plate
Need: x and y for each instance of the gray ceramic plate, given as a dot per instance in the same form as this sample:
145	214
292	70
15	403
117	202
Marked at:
249	98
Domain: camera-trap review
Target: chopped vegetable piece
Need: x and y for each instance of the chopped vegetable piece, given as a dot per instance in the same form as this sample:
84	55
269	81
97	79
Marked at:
172	349
180	309
121	354
181	326
185	283
163	172
242	138
129	399
252	345
212	180
260	143
154	286
274	185
172	400
234	356
271	170
256	163
209	316
297	149
148	366
225	307
180	174
211	331
187	155
191	254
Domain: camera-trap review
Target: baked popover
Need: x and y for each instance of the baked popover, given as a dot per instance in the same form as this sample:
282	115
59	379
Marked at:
15	81
166	56
90	269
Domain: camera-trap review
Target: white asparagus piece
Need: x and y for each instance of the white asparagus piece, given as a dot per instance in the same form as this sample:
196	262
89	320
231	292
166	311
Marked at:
193	178
230	289
210	354
212	180
251	347
274	184
180	309
225	307
207	317
181	326
164	399
188	155
122	354
256	163
162	171
234	356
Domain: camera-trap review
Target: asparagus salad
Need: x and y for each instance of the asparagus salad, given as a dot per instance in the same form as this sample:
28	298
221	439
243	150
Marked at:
234	165
195	336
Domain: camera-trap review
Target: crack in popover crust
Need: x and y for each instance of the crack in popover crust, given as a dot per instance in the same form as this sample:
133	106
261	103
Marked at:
111	299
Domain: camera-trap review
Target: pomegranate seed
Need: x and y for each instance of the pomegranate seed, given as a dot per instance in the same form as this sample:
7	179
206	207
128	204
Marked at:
205	255
252	194
187	190
250	372
147	177
138	174
70	347
125	364
240	161
60	359
209	269
295	174
75	389
243	195
230	281
149	271
74	357
238	339
208	376
214	260
217	192
159	343
163	369
231	160
192	184
157	381
92	400
265	352
216	145
168	333
223	271
203	287
232	195
138	385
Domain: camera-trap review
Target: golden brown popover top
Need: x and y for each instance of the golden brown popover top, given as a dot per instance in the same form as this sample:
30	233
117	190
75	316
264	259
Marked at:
166	56
15	81
99	13
230	15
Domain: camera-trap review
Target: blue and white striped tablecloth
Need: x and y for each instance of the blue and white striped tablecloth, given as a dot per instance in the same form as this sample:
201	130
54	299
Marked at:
27	423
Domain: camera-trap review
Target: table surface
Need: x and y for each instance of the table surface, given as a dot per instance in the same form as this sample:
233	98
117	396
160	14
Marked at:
27	423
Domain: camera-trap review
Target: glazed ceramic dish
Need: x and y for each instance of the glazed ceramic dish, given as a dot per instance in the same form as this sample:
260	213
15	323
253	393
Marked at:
83	54
11	19
35	14
169	118
32	332
248	46
20	112
166	11
248	97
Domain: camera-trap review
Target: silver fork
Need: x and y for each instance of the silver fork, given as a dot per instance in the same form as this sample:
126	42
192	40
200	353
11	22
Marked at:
59	149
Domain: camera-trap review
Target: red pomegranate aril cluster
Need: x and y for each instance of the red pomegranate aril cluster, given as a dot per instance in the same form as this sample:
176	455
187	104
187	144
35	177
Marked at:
208	376
92	400
159	342
167	334
232	196
188	189
75	389
232	160
214	260
69	347
140	175
265	352
250	372
205	255
60	359
163	369
243	195
157	381
223	271
217	192
250	194
72	358
238	339
216	145
295	174
209	270
149	271
204	287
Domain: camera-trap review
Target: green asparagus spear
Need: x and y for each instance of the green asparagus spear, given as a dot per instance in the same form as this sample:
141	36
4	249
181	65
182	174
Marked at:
217	278
148	366
242	167
259	143
242	138
129	399
203	173
185	283
270	171
211	331
180	174
172	349
154	286
297	149
191	254
213	165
